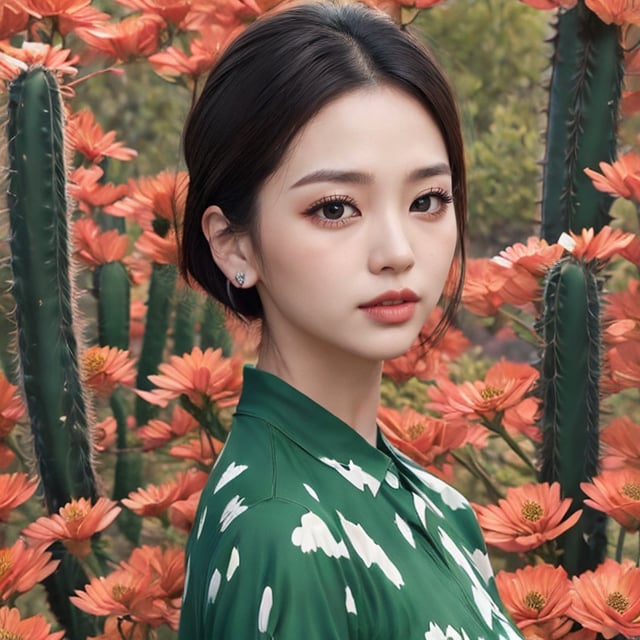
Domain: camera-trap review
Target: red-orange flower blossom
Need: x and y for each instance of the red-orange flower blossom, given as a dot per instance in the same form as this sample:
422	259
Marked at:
538	596
12	627
103	368
158	249
155	500
86	136
104	434
618	12
173	62
617	493
132	37
621	440
203	376
504	387
15	60
15	488
607	600
13	19
620	178
182	513
422	438
95	247
158	432
173	11
74	524
527	517
622	366
21	568
602	246
86	188
203	449
482	283
11	407
162	196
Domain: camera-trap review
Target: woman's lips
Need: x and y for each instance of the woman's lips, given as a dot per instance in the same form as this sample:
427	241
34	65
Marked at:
392	307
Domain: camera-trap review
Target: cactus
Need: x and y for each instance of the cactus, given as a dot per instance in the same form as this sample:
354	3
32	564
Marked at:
570	328
585	93
584	96
43	292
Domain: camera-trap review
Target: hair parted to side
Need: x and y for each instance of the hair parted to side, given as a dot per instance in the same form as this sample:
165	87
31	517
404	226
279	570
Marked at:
266	86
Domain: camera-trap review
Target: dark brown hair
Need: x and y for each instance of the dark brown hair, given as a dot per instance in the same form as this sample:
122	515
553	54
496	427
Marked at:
266	86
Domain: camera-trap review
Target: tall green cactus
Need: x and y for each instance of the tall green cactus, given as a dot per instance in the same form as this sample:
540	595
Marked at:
585	93
42	288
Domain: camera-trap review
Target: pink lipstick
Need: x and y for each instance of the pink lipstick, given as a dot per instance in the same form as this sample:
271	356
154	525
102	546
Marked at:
392	307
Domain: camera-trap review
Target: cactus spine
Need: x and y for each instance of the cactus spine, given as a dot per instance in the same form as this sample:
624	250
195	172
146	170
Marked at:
583	107
42	289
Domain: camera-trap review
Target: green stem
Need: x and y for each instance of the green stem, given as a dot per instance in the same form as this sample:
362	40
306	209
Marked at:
620	544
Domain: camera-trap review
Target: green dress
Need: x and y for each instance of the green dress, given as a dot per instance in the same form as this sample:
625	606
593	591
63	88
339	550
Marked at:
307	532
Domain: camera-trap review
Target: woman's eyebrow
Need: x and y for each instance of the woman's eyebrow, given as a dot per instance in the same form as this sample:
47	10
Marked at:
357	177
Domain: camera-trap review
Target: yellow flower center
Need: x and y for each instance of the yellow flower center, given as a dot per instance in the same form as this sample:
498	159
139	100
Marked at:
415	430
535	600
489	392
618	601
532	510
120	592
631	490
92	362
5	561
74	513
5	634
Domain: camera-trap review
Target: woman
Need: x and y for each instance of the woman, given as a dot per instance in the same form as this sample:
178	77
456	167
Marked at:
327	197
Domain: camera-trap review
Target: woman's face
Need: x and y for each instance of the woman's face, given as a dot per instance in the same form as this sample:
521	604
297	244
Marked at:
356	229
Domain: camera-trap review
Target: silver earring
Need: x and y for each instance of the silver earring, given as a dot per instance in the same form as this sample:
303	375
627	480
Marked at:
240	278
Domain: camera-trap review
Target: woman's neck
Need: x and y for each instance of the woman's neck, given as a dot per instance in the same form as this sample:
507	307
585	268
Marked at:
347	387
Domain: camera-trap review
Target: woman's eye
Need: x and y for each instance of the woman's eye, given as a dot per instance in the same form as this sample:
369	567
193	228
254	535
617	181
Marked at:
431	202
333	210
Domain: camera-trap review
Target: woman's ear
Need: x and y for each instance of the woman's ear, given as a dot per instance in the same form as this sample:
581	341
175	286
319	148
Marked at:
231	251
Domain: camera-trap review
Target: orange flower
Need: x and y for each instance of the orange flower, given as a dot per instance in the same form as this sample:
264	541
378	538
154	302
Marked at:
182	513
74	524
157	432
15	488
158	249
621	178
529	516
423	361
155	500
523	419
162	196
166	566
536	257
115	628
95	247
33	628
538	595
6	456
125	593
483	280
245	335
86	188
57	59
622	314
601	246
617	493
621	444
132	37
105	434
86	136
104	368
173	62
203	449
622	363
422	438
607	600
173	11
13	19
616	11
632	251
21	568
203	376
11	407
504	387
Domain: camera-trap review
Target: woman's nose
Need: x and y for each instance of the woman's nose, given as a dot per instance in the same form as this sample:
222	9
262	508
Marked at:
390	247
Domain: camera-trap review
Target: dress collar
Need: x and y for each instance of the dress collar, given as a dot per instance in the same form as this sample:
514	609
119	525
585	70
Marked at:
319	432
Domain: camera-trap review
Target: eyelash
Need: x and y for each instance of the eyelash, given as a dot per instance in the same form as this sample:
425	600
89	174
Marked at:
445	197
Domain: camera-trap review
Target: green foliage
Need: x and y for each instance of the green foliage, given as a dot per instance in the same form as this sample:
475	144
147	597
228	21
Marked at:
494	52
